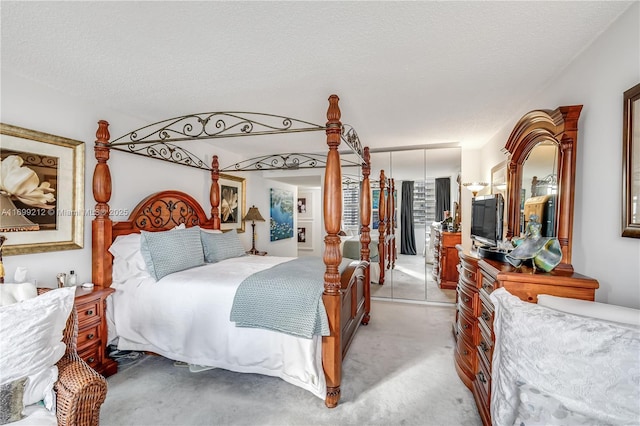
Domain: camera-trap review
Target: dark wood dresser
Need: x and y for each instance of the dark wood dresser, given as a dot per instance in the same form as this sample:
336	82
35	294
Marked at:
445	258
473	328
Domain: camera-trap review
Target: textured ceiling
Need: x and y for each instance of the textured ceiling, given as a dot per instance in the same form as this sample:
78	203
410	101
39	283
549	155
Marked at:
408	73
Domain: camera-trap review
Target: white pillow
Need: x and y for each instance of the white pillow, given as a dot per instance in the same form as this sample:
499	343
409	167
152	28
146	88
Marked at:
31	339
591	309
128	261
12	293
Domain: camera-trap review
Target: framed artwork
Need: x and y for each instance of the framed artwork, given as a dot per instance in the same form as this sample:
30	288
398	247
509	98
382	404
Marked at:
304	205
281	210
499	179
305	231
41	192
631	164
375	199
375	220
233	202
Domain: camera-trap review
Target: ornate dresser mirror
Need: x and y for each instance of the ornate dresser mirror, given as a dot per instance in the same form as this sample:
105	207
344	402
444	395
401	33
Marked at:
542	166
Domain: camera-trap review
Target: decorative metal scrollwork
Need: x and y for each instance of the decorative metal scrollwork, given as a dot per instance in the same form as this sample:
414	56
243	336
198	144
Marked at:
291	161
166	152
211	125
158	140
349	182
288	161
162	214
350	137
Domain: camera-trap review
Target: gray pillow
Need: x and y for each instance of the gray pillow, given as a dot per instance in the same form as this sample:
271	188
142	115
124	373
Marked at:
171	251
223	246
11	401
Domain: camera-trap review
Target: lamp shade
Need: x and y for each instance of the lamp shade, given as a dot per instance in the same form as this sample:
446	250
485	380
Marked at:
475	187
253	214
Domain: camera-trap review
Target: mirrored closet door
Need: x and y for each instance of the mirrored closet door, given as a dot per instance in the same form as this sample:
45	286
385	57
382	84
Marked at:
421	195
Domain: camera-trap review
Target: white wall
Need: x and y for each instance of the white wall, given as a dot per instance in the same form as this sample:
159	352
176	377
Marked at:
32	106
596	79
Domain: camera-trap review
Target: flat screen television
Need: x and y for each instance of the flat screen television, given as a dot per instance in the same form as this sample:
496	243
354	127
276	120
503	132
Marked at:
487	219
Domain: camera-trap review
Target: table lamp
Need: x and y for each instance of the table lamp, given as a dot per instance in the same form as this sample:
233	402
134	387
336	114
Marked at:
253	215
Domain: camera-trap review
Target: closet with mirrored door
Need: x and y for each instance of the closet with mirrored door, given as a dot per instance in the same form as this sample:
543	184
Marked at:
425	185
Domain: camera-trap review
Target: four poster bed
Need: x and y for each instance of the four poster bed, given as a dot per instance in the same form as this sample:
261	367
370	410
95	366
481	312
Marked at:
118	248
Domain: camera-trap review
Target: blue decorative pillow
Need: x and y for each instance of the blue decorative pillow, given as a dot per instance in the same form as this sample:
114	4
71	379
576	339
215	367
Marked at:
223	246
171	251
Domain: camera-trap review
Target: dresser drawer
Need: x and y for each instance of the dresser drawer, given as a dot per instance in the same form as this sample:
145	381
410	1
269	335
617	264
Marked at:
487	283
483	382
88	335
467	327
467	270
92	355
467	355
486	310
485	346
468	300
88	313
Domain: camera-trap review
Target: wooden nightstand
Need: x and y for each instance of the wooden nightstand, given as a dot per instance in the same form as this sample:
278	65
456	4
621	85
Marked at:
91	305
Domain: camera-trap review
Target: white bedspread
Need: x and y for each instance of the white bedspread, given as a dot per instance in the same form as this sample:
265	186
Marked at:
185	317
555	368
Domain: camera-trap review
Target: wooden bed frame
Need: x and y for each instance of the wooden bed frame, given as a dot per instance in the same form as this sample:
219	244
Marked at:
387	225
346	298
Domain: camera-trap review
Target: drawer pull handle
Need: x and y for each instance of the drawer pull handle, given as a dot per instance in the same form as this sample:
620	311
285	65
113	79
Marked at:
465	326
486	316
90	336
465	352
487	287
484	346
466	299
481	377
90	359
90	312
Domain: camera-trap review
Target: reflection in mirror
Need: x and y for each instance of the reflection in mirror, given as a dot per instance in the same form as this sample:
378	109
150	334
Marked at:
540	187
414	174
631	164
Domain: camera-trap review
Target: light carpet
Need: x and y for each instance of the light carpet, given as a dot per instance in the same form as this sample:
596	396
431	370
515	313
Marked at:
399	371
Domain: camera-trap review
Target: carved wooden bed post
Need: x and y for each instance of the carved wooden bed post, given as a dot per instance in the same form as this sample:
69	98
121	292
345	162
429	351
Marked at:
391	227
365	235
382	219
331	345
214	193
101	225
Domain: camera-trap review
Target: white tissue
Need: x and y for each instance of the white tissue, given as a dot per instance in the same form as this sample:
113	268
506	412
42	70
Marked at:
21	274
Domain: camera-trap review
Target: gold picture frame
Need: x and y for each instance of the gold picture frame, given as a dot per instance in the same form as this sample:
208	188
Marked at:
233	202
51	216
631	164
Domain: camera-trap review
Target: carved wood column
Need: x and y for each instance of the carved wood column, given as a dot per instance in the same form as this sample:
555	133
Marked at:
365	231
567	179
214	193
382	219
101	225
332	206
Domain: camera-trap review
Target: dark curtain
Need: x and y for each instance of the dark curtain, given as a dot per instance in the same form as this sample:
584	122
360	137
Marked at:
443	197
408	238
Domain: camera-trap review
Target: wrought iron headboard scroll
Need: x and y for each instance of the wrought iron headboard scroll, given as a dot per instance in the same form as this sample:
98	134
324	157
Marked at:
158	140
